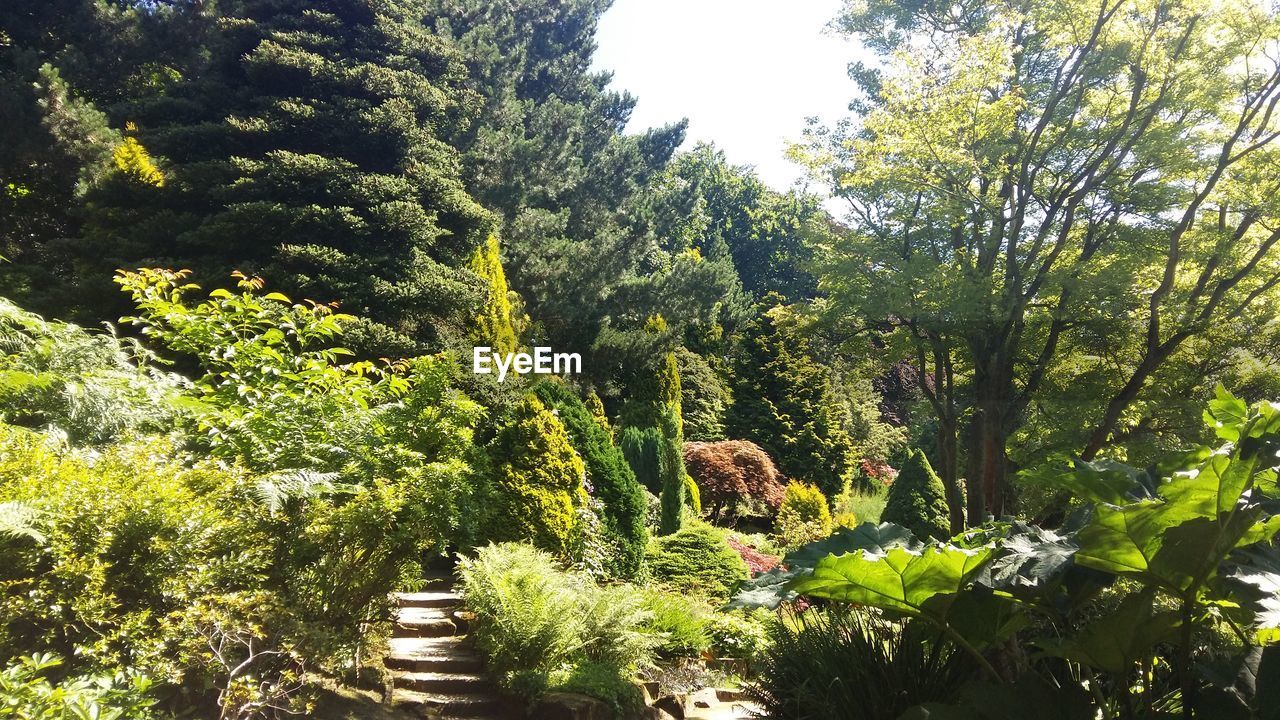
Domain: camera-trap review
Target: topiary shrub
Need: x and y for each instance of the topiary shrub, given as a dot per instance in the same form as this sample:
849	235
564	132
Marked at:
539	480
609	478
696	559
917	499
804	516
732	470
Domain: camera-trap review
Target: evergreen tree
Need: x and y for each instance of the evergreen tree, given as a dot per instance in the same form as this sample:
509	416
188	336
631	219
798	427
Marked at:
495	324
784	402
703	398
674	478
573	192
609	477
539	480
917	500
309	149
642	449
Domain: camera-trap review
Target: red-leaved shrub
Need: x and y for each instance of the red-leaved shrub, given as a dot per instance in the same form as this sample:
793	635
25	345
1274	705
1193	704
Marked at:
731	470
757	562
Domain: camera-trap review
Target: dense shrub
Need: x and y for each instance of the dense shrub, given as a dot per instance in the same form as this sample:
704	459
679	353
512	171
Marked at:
680	621
696	559
848	664
917	500
804	516
757	562
733	470
740	633
539	480
609	479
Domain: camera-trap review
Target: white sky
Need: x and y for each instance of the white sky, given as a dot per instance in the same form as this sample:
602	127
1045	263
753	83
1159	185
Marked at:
745	72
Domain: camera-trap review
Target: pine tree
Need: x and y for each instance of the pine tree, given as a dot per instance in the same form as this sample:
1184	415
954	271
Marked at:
917	500
309	150
673	475
539	480
784	402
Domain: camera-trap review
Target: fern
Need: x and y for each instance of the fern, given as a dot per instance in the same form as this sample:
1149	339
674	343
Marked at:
18	520
275	491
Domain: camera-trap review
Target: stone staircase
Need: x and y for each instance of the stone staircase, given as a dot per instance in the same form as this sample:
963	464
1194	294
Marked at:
435	671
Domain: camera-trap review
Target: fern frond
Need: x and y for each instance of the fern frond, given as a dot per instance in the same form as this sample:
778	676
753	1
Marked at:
19	520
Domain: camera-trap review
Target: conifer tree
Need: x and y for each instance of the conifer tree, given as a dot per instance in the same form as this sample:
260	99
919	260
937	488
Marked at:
784	402
917	500
610	478
309	149
539	480
495	323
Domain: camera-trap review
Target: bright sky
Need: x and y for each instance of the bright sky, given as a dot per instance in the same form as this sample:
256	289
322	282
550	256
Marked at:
745	72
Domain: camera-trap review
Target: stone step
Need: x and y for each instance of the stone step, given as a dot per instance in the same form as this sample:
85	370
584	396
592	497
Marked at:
454	705
452	653
429	599
427	622
444	682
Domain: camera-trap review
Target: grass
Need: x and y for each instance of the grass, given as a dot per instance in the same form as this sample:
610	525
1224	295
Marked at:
866	507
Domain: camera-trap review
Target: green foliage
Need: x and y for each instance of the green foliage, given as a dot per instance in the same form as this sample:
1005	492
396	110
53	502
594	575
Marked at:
917	500
543	628
804	516
608	478
26	693
847	663
93	386
741	633
1179	535
783	401
320	127
703	398
539	480
696	559
673	475
681	622
642	449
495	325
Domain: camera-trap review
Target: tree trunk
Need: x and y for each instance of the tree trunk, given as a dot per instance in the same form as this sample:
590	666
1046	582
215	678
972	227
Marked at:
948	455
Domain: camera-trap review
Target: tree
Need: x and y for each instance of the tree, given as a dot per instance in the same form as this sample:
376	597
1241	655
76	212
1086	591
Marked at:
309	147
732	470
608	477
703	398
1033	183
539	480
917	501
673	475
496	322
572	191
783	401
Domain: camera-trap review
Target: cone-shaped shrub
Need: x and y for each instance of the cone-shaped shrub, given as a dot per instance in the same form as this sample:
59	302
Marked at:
917	500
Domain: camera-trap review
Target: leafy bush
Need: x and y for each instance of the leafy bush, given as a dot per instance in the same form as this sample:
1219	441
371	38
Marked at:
539	480
27	694
609	478
917	500
740	633
849	664
732	470
804	516
696	559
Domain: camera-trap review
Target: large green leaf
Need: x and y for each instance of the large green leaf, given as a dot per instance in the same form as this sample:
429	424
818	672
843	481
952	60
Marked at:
1104	481
914	582
770	589
1257	581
